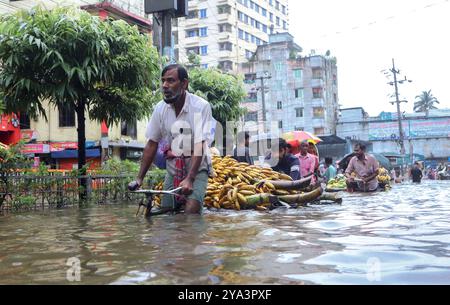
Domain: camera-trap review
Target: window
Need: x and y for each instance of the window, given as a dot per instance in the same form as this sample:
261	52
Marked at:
24	121
251	116
225	65
252	5
299	112
298	73
334	79
252	22
279	105
66	116
271	2
335	98
317	73
278	66
224	9
225	46
299	129
264	12
271	17
257	24
284	25
318	112
257	8
278	21
319	131
248	54
258	41
240	16
252	39
241	34
264	28
202	13
225	27
250	78
317	92
204	66
299	93
129	129
203	50
203	32
192	33
192	15
247	36
277	5
246	19
194	50
280	124
252	96
283	9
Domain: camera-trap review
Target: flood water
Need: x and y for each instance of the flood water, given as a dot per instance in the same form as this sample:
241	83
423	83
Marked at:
397	237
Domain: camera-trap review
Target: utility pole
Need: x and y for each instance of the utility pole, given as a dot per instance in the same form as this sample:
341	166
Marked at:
397	101
264	76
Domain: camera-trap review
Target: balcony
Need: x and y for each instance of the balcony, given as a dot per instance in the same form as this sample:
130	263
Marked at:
225	53
318	102
317	82
188	23
224	36
224	18
192	41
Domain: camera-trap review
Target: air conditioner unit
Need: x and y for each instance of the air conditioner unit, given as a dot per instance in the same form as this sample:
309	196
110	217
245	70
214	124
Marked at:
178	7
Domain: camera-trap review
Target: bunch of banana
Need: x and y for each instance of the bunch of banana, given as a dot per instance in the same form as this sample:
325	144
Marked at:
157	198
337	183
383	176
238	185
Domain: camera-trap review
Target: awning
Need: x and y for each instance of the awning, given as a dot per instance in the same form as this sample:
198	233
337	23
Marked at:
73	153
127	145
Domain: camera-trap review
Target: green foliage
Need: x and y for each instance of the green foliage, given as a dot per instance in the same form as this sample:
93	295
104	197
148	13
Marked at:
11	159
224	92
119	167
67	55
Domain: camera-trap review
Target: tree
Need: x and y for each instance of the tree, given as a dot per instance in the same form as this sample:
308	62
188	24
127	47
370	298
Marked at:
224	92
105	69
425	102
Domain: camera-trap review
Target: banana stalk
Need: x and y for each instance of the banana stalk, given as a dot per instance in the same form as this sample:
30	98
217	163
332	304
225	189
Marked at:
291	185
302	198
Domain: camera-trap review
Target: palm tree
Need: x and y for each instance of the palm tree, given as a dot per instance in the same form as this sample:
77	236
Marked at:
424	102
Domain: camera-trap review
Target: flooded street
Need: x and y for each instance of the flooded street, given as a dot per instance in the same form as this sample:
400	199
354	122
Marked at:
397	237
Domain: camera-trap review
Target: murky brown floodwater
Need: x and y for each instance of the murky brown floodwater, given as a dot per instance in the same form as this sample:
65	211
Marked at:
398	237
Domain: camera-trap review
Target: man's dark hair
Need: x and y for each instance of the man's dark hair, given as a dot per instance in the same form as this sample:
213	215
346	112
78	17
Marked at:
182	72
361	146
328	160
283	144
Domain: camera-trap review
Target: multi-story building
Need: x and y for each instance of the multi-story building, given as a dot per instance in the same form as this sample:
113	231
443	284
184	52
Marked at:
55	140
424	135
226	33
300	92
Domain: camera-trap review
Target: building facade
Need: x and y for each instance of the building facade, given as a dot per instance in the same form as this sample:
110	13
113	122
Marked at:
300	93
226	33
428	136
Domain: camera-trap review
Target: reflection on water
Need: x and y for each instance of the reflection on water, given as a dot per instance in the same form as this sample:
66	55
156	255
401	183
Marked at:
398	237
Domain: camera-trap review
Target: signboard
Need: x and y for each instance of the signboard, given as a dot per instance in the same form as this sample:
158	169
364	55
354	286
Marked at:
28	134
36	149
433	127
58	146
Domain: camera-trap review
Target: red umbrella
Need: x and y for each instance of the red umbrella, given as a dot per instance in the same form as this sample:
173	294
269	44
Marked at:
296	137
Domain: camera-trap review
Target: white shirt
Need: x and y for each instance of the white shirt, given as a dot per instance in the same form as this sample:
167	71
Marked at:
193	125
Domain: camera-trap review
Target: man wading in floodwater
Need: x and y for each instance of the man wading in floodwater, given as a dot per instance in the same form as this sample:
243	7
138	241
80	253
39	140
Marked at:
365	167
182	119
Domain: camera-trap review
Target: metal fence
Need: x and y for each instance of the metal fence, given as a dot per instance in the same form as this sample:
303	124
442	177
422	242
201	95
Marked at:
25	191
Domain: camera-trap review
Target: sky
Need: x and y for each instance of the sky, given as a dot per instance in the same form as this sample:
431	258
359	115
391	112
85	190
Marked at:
365	35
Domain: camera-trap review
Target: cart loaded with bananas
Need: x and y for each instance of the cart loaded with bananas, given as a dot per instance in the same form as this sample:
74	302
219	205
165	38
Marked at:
240	186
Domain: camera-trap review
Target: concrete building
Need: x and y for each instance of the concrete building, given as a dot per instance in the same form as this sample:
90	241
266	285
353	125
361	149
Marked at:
226	33
424	135
55	140
301	93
